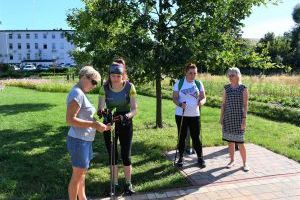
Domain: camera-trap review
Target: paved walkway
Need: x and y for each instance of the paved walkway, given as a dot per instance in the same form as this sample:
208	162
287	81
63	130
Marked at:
271	176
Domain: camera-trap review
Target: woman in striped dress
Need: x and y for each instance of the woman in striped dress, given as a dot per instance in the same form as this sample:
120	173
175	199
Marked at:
233	115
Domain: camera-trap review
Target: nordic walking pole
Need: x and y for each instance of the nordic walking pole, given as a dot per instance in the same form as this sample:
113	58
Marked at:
178	138
201	130
112	156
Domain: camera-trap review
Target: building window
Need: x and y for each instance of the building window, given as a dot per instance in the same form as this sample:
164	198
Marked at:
19	57
19	46
45	46
53	36
61	45
36	45
27	45
11	57
53	46
27	36
45	35
62	35
35	36
19	36
10	46
10	36
36	56
28	56
62	56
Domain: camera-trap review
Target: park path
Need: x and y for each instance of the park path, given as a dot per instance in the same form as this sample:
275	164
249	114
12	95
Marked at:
271	176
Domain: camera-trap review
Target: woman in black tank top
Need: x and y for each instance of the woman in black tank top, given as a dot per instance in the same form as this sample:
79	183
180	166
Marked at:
121	95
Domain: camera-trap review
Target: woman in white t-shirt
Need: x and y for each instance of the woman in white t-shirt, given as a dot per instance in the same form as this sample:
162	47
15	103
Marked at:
189	96
79	117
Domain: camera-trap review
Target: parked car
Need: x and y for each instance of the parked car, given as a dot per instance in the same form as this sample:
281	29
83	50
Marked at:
29	67
68	65
42	67
16	67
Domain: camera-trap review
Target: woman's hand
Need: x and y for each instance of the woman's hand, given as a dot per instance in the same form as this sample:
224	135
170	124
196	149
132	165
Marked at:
243	125
221	121
101	127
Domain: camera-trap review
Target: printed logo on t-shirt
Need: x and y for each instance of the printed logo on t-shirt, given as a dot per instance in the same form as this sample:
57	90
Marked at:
192	91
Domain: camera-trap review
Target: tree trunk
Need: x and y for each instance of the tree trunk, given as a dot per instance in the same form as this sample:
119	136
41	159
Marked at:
158	67
159	123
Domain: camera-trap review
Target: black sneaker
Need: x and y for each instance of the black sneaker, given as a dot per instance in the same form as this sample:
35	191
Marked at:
128	189
180	162
118	190
201	163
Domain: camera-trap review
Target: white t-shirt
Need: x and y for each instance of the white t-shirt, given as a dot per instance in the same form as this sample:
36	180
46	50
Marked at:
190	94
86	112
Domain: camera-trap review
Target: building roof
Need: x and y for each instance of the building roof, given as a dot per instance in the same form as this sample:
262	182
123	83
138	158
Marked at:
28	30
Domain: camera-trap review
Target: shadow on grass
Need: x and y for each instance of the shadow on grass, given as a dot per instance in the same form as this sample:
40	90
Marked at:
25	107
149	165
34	163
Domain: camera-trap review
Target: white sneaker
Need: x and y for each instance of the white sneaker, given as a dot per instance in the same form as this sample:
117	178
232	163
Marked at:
246	168
230	165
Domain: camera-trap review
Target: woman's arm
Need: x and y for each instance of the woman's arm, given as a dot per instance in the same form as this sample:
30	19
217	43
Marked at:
176	98
133	108
245	102
245	108
223	107
72	119
202	99
101	103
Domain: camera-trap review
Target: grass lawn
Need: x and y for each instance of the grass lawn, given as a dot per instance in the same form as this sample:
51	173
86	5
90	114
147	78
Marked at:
35	165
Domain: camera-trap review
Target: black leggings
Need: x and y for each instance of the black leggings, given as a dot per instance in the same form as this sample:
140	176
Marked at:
194	124
124	134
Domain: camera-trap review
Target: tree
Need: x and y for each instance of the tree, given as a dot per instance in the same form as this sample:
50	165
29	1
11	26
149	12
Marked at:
157	37
296	35
278	48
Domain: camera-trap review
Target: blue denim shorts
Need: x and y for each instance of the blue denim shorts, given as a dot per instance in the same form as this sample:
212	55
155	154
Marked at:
81	152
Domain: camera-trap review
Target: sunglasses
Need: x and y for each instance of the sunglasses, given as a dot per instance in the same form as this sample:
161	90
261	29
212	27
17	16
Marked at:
93	82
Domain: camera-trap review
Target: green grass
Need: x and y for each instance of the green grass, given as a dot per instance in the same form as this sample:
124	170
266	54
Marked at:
35	165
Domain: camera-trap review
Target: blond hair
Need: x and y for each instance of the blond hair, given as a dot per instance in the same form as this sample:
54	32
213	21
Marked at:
89	72
235	71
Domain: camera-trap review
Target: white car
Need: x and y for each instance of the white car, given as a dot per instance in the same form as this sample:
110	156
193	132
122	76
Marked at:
29	67
16	68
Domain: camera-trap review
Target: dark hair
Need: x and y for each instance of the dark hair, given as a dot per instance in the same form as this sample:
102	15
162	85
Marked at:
120	61
190	66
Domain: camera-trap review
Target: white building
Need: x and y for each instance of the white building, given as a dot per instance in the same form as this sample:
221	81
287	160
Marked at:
35	46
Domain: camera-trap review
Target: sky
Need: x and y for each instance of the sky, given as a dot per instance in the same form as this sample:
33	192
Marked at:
51	14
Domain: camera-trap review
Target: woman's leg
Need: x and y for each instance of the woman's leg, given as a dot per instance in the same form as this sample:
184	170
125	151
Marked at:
78	176
182	133
107	139
194	125
231	149
128	172
243	153
81	189
126	142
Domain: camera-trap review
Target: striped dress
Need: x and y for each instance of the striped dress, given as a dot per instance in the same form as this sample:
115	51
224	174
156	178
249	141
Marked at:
233	114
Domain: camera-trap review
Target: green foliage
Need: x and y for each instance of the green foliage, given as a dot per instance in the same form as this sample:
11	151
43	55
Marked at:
278	49
35	163
158	38
296	13
296	36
